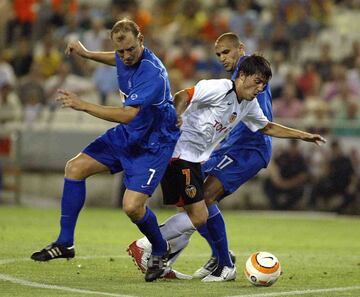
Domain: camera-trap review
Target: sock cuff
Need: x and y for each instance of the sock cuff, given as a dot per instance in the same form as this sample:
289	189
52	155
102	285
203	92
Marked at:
74	180
213	210
144	218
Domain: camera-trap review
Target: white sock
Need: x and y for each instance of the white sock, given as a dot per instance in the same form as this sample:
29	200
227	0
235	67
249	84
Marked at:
178	245
176	226
177	230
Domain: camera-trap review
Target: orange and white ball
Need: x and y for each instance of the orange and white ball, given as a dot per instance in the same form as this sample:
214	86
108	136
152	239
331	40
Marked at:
262	269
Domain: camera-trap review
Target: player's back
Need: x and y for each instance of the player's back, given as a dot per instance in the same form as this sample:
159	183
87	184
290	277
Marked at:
146	85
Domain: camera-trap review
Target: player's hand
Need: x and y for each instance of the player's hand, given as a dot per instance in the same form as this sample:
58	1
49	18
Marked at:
70	99
76	47
318	139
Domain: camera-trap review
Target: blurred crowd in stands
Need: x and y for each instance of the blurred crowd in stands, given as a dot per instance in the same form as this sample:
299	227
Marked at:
313	46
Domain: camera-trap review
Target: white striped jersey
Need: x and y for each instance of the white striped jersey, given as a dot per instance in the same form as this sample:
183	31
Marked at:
213	111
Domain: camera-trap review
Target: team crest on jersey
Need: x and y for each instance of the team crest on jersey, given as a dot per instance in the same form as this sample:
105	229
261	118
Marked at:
190	191
133	96
233	117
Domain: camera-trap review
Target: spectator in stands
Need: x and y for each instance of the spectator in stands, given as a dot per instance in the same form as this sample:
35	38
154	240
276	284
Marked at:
325	62
7	73
105	77
309	80
316	110
49	58
339	179
10	107
64	79
241	16
288	174
95	37
280	41
288	105
23	57
350	60
332	88
32	83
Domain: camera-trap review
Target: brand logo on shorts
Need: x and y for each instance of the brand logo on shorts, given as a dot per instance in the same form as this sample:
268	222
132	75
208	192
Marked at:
190	191
133	96
233	117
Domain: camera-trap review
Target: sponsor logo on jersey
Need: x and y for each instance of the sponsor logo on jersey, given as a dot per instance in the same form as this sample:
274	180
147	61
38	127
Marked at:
190	191
219	127
233	117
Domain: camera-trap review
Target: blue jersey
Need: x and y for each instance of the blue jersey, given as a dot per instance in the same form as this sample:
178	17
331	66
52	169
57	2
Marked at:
146	84
245	138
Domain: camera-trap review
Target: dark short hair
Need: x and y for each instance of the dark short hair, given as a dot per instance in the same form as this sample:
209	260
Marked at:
125	25
256	64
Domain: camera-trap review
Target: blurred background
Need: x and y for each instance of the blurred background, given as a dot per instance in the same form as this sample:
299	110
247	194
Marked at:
313	46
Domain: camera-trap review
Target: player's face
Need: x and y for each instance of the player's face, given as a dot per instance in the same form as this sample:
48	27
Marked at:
228	54
247	87
129	49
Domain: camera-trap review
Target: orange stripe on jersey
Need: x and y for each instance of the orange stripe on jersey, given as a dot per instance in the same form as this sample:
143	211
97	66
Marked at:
190	92
266	270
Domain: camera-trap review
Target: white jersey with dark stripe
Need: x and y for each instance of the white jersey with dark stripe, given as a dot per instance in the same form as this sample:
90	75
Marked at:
213	111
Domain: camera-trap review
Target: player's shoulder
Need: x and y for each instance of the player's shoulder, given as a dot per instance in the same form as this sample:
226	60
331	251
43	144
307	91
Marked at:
150	63
215	84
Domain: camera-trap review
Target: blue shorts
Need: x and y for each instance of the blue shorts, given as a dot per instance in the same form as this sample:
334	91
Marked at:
143	170
234	168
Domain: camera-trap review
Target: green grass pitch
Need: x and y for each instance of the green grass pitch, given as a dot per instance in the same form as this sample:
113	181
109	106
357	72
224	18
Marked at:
319	255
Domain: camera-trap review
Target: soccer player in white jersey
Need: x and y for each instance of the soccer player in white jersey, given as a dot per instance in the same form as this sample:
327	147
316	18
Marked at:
208	112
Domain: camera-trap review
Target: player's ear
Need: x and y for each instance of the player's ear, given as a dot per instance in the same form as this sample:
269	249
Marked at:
141	39
242	49
241	76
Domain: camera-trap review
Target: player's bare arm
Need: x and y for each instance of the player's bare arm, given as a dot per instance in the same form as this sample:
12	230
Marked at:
181	101
79	49
122	115
277	130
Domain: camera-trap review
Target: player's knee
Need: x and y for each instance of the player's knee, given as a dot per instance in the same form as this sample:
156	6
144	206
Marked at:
75	169
133	211
199	218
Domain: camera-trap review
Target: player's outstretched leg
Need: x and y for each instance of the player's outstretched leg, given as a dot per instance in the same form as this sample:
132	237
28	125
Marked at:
71	203
226	269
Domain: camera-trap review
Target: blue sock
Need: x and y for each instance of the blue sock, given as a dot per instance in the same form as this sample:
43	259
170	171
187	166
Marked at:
216	226
148	225
72	201
204	232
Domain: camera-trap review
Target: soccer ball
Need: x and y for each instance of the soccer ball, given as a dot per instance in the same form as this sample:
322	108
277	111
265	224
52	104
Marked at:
262	269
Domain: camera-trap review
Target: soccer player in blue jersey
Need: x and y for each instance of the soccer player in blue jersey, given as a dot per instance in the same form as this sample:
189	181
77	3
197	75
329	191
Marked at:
240	157
141	145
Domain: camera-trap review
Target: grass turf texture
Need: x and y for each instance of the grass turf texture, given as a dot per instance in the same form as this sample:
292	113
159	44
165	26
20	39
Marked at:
315	251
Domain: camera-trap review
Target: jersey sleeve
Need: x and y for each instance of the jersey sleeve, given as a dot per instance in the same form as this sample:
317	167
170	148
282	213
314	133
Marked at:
210	92
255	118
149	86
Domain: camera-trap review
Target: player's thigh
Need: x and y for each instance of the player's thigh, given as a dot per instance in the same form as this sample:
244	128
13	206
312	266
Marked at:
182	183
213	189
144	171
234	169
104	151
197	212
83	166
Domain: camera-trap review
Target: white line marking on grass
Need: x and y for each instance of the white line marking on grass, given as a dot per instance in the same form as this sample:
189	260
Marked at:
23	282
302	292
